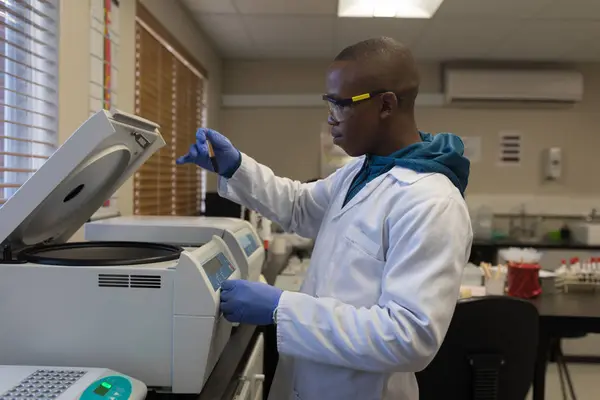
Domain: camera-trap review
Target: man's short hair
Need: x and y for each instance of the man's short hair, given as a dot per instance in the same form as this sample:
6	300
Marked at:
392	65
381	46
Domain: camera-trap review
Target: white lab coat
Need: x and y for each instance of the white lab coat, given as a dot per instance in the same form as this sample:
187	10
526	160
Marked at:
383	282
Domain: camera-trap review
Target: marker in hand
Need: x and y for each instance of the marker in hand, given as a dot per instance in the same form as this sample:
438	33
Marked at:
211	155
213	152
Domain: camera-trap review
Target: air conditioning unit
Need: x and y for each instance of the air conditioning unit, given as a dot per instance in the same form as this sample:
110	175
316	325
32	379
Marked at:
512	85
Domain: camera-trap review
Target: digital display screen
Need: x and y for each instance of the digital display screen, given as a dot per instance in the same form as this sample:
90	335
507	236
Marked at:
218	269
212	266
248	244
102	389
253	243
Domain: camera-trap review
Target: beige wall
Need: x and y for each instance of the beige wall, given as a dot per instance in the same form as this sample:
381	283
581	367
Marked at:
291	77
74	66
287	139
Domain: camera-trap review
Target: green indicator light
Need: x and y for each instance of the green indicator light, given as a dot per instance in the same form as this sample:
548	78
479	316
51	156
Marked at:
106	385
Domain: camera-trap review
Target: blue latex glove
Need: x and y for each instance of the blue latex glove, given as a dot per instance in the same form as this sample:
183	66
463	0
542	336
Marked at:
247	302
228	157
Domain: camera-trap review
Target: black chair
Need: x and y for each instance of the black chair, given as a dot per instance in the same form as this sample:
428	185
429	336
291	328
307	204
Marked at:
489	352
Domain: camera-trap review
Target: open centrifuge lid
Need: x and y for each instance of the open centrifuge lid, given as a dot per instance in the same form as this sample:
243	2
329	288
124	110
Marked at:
77	179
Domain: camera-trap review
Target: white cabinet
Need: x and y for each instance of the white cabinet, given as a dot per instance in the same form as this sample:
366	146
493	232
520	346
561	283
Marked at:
253	374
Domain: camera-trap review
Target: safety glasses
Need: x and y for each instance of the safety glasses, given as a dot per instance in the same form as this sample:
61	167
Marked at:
339	108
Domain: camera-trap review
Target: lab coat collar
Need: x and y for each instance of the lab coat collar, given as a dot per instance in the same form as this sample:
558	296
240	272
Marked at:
360	196
407	176
404	176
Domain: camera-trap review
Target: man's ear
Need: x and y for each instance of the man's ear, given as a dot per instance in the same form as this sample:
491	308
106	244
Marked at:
389	103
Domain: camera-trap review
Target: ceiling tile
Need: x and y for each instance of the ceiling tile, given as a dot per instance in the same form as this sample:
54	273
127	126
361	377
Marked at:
491	8
296	7
494	29
468	38
572	9
228	33
304	35
210	6
549	40
352	30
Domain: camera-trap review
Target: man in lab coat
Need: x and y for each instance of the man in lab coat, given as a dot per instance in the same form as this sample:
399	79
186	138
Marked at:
392	237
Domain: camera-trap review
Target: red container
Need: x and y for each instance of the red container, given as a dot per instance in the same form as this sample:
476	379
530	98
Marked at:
523	280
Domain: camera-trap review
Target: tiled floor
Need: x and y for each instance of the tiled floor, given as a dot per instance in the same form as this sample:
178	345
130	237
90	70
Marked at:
586	379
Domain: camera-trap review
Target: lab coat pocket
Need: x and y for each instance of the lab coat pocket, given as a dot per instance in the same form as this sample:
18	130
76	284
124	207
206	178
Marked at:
364	243
357	270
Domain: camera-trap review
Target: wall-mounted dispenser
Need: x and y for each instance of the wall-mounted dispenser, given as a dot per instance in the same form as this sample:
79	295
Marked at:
553	163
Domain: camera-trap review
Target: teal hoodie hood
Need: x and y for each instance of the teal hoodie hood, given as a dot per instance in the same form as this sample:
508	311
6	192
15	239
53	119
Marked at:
442	153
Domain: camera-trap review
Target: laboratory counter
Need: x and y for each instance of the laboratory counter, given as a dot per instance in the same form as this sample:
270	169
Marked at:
562	316
224	381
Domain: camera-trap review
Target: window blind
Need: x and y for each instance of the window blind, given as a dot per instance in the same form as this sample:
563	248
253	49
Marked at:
170	92
104	71
28	89
104	54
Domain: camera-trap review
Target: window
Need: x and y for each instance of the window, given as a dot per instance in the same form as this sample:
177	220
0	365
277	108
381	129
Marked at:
170	90
104	53
28	90
104	61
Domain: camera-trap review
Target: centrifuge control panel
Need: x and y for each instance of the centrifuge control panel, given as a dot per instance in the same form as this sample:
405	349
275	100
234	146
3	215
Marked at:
218	269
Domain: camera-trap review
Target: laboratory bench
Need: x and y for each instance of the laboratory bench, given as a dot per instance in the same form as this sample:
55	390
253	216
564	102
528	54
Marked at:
562	315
